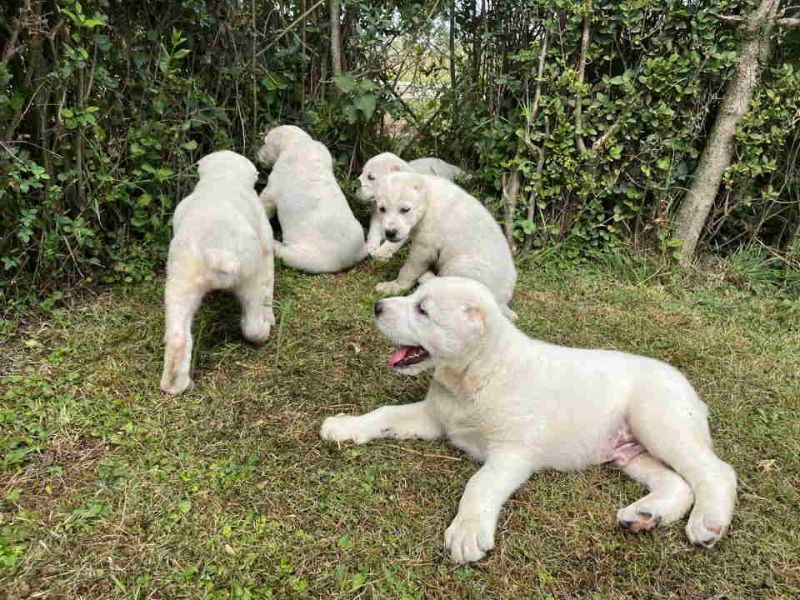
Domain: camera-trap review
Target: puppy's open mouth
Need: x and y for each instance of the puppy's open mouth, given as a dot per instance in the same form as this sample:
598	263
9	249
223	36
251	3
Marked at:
406	356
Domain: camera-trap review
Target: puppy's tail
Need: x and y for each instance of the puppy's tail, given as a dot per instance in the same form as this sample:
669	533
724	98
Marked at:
224	264
508	313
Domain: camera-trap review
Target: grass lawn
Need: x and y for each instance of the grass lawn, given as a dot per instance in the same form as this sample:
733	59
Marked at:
110	489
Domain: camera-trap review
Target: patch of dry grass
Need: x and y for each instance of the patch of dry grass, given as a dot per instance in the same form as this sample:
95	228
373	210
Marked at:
110	489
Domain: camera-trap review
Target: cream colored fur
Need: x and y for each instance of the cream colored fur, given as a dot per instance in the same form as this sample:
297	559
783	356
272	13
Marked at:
381	165
519	406
451	232
221	240
320	232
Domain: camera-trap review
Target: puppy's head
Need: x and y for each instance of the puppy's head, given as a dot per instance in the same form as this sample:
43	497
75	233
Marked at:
401	201
376	167
277	140
444	322
228	164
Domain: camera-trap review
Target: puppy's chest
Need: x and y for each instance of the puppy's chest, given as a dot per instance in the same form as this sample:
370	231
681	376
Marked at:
466	425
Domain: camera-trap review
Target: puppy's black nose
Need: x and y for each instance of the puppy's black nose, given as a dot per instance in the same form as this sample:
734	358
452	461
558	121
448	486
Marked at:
391	234
378	308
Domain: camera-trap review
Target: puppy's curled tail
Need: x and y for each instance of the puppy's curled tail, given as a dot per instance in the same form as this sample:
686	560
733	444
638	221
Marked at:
508	313
224	264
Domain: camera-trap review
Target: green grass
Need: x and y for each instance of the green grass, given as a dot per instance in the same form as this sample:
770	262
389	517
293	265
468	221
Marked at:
110	489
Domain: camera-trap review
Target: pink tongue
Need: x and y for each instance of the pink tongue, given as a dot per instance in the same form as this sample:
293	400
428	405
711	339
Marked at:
399	355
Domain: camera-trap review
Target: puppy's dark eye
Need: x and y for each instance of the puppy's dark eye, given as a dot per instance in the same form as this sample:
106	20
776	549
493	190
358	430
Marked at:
371	177
421	310
382	209
404	210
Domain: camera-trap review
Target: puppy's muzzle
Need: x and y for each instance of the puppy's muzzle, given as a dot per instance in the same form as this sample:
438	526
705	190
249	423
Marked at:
378	309
391	235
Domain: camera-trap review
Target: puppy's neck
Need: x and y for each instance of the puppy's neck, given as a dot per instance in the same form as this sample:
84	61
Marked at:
465	379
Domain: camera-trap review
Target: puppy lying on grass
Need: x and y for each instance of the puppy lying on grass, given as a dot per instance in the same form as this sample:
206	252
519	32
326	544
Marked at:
320	232
450	231
386	163
221	240
519	406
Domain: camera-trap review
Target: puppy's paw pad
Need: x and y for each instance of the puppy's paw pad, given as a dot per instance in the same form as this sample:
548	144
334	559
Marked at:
343	428
469	538
638	519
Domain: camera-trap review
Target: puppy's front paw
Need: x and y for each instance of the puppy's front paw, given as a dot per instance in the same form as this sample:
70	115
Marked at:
469	538
372	248
175	385
342	428
389	287
384	252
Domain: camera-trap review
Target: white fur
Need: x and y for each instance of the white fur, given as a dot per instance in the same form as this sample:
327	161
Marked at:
320	232
450	230
221	240
381	165
520	405
437	167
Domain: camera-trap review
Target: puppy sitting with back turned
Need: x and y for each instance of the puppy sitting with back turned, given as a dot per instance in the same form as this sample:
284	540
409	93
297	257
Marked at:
519	405
221	240
450	231
320	232
386	163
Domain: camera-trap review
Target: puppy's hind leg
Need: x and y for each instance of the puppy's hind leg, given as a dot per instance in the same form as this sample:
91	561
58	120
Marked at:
255	296
405	421
181	305
671	423
669	499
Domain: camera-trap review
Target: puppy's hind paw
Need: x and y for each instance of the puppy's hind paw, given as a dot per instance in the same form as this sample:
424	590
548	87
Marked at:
703	530
343	428
637	520
382	253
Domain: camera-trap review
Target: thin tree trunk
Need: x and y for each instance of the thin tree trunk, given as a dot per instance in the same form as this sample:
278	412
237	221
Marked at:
586	35
453	48
511	186
336	38
755	48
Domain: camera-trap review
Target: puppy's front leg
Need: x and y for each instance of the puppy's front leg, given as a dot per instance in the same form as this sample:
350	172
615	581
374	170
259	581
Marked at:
419	259
471	534
375	234
405	421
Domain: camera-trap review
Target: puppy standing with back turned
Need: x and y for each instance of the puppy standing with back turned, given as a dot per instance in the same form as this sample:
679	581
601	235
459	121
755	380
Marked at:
519	405
320	232
381	165
221	240
450	231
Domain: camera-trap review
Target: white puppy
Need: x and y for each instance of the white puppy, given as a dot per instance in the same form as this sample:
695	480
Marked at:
386	163
519	406
221	240
320	232
450	231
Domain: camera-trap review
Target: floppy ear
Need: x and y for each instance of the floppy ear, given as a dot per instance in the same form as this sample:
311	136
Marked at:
418	183
475	316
